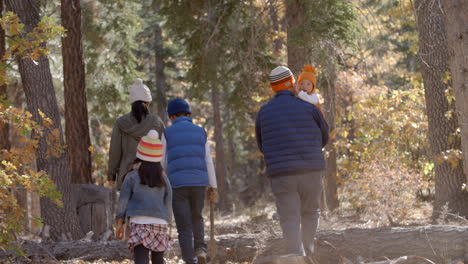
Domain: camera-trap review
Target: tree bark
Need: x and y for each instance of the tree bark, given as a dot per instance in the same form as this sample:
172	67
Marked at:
295	19
456	19
433	51
4	127
161	85
330	180
277	43
220	157
76	110
40	95
437	243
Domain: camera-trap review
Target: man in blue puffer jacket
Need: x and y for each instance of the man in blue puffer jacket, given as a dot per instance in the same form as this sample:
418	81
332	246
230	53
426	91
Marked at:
189	167
291	134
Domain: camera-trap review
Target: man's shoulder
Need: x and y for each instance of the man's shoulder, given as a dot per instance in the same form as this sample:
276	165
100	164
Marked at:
268	104
284	103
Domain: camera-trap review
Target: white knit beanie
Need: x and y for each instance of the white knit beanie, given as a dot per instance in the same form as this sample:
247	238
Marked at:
140	92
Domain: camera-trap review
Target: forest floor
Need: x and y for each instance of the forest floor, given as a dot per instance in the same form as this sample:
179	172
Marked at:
261	219
256	218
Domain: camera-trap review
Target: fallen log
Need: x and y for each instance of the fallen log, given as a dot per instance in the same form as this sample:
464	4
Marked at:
405	260
439	244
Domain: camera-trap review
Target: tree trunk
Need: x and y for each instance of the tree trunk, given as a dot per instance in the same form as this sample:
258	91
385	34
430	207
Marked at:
220	157
437	243
230	157
4	128
277	43
329	93
295	19
161	85
456	19
40	95
433	51
76	111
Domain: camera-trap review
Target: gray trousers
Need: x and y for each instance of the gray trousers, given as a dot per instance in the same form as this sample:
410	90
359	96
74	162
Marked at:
298	204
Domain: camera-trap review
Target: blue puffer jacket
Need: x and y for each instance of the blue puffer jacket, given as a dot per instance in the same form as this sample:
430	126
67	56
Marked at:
291	134
185	150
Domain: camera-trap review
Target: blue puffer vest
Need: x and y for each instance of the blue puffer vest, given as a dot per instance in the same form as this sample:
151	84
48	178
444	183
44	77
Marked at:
186	165
291	134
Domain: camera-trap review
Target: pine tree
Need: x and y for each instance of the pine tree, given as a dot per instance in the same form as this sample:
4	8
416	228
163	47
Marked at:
433	50
226	43
76	106
40	96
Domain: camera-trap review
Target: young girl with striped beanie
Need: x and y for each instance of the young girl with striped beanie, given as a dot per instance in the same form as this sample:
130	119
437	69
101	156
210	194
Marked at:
146	198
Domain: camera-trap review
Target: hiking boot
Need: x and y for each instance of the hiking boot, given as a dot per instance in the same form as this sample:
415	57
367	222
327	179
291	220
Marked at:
201	255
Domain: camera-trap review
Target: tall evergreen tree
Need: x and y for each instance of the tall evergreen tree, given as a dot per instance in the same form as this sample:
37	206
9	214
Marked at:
297	52
225	43
329	92
433	50
109	40
160	65
40	96
76	107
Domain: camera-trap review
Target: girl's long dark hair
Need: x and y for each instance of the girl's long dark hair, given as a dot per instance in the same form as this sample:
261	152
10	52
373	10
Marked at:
139	110
151	174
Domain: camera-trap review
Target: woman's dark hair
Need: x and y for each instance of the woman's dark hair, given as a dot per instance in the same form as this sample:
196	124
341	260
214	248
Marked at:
151	174
139	110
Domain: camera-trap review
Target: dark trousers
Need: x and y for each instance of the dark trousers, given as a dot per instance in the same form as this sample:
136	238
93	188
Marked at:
141	256
298	204
187	205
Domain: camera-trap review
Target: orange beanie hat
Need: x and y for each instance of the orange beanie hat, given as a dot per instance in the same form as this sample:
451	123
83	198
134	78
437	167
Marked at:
309	74
281	78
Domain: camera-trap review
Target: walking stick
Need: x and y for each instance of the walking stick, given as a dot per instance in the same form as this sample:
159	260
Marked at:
212	246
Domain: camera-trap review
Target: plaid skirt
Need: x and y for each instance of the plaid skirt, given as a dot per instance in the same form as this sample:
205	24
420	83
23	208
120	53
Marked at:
154	237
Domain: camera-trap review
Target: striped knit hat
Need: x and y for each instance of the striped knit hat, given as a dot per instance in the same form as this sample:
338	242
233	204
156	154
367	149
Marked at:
281	78
150	147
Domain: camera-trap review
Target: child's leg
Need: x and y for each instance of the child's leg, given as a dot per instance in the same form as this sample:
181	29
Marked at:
182	216
141	255
197	202
157	257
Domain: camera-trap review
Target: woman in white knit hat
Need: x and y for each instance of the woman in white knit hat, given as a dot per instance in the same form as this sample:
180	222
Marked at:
128	130
146	198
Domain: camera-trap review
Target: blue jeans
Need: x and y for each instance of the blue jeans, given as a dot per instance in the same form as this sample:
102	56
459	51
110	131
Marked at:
298	204
187	205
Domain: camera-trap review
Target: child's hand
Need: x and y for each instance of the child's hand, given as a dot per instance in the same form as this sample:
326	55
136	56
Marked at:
119	232
212	194
296	88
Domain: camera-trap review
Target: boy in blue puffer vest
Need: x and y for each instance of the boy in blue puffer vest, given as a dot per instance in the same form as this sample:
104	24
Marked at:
190	170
